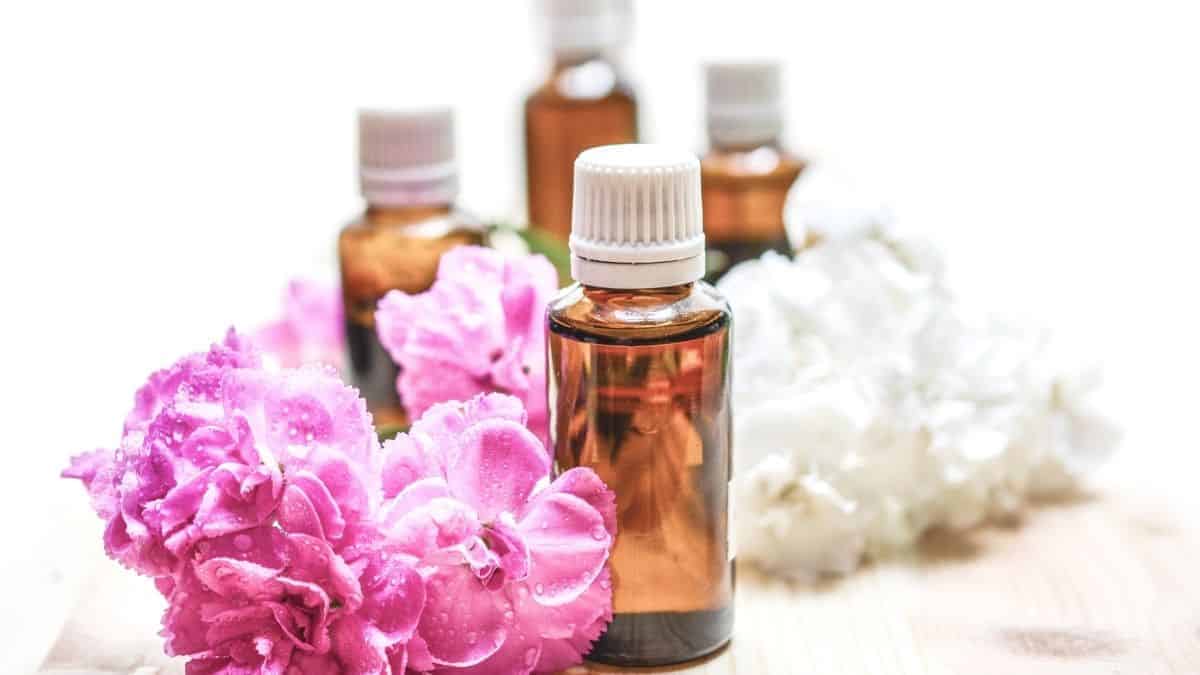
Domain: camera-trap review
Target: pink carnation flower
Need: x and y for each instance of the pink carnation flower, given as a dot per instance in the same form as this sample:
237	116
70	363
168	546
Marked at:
311	329
479	329
285	541
269	599
173	444
516	564
250	496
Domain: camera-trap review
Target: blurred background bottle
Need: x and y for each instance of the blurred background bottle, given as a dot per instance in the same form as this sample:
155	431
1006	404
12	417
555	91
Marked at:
409	181
746	174
583	103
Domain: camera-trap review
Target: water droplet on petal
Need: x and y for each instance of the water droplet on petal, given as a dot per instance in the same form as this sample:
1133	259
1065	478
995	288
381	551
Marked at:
599	533
539	589
531	655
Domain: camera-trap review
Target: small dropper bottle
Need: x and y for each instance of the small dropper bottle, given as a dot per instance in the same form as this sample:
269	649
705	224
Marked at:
409	180
746	172
584	102
639	391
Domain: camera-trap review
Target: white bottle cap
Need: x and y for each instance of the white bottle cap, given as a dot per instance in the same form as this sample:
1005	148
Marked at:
582	27
743	103
406	157
636	220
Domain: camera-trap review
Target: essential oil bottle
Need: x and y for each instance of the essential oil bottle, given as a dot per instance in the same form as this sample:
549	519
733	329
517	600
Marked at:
639	386
409	181
585	102
746	173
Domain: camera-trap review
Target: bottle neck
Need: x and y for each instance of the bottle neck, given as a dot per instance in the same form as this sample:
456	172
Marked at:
562	62
385	215
769	143
623	275
601	292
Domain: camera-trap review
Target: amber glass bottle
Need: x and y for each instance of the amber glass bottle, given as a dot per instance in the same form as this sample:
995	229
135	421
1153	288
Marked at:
639	391
746	174
409	182
585	102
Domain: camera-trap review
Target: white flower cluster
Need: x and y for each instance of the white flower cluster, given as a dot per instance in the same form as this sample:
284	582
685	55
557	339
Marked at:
870	407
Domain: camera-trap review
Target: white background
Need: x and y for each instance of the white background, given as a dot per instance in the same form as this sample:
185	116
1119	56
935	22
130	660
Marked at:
165	167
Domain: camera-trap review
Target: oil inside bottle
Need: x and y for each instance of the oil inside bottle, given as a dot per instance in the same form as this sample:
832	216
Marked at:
639	385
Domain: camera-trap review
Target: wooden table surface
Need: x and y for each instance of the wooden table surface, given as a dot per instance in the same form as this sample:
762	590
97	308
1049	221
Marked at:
1104	584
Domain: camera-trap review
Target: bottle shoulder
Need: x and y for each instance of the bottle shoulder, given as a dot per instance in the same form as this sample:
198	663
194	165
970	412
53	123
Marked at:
638	316
414	224
763	163
589	82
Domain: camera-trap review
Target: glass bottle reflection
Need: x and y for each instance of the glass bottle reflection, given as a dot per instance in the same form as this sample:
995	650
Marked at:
639	385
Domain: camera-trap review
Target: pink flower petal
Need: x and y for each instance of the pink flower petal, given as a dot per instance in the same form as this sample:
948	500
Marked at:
184	629
298	412
517	656
493	406
478	329
530	283
485	265
355	651
440	524
437	434
244	581
398	659
463	623
324	508
182	502
345	481
499	465
239	622
298	515
424	383
238	498
264	546
509	545
512	370
585	484
419	658
85	466
311	328
412	497
405	462
303	663
393	596
568	631
568	546
314	561
454	322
